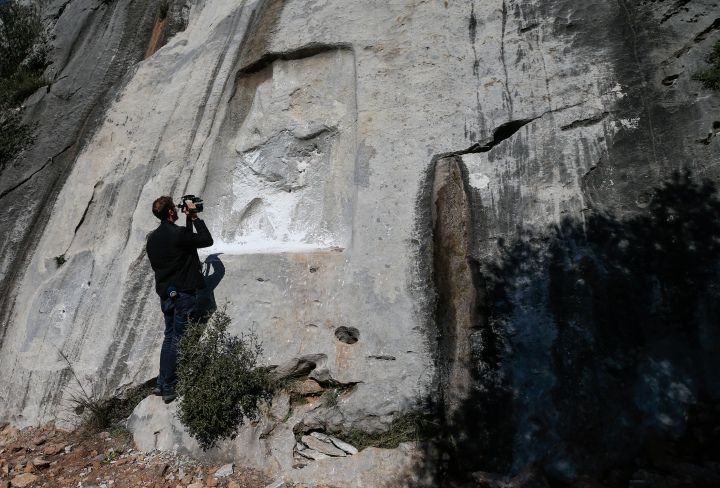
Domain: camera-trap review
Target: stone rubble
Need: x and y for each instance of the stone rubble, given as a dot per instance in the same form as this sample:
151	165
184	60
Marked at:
109	460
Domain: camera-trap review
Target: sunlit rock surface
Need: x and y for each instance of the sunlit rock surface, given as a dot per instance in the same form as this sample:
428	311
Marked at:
314	130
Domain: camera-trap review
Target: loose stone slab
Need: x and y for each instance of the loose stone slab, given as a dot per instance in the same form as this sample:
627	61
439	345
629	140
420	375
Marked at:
348	448
323	447
224	471
312	454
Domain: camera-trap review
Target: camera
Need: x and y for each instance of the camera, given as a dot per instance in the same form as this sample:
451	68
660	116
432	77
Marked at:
196	200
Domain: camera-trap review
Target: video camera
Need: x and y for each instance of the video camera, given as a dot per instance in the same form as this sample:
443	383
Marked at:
196	200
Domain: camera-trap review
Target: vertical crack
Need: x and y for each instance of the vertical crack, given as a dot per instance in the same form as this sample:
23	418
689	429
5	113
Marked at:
87	207
502	57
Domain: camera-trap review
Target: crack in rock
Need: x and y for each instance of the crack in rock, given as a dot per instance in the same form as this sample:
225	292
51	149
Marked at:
670	80
701	36
586	122
306	51
674	10
25	180
87	207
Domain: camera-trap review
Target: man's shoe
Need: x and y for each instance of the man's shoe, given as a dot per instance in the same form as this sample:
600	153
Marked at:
169	396
157	391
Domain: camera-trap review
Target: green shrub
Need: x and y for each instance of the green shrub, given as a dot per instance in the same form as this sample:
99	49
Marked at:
23	54
21	38
163	9
220	384
710	78
14	135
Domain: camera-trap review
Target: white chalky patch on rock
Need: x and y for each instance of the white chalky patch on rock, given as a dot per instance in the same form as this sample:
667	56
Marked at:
285	182
617	91
631	123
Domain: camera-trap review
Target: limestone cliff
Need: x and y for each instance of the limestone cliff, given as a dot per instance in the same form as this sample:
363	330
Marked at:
477	190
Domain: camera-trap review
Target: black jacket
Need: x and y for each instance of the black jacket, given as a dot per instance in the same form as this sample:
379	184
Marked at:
173	255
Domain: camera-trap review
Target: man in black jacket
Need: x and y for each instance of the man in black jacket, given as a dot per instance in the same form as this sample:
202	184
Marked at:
178	275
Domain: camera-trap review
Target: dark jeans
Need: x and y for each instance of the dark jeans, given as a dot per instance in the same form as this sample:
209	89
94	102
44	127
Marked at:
178	312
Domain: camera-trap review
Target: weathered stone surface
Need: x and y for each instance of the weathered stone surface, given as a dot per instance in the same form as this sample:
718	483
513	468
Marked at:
53	449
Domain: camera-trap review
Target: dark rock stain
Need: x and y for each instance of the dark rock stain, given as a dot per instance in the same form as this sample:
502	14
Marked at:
472	24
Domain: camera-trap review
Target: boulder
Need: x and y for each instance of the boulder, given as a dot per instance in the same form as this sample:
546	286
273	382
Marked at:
23	480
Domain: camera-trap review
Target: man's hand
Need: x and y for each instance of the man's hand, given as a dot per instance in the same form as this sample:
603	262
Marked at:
190	209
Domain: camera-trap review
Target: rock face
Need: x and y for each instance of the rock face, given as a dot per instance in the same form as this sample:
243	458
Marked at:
456	206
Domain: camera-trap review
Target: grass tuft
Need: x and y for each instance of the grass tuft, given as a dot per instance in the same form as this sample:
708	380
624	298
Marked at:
411	427
100	413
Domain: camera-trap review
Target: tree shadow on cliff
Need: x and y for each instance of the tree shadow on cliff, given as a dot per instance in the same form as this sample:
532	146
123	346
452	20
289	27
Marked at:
596	343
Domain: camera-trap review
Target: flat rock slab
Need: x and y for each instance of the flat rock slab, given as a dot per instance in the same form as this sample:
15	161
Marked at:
312	454
323	447
348	448
224	471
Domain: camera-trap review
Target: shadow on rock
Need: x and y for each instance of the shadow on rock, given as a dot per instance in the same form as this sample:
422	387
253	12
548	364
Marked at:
594	353
213	272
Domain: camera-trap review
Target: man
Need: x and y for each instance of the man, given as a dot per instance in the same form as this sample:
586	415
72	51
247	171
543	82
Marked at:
173	255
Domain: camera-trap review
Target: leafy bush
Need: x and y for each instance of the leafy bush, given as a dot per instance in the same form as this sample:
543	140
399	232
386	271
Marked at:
23	53
220	383
710	78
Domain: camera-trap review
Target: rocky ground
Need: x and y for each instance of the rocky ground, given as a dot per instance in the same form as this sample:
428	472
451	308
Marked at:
50	457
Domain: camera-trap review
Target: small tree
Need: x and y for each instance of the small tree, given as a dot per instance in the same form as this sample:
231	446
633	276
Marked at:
220	384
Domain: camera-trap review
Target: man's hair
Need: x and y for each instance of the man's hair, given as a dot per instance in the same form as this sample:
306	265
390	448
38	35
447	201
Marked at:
161	207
